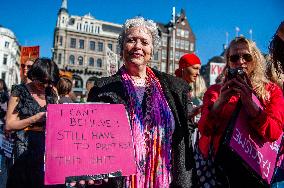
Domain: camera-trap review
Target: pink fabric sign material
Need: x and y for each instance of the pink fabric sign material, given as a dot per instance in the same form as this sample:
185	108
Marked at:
87	139
259	155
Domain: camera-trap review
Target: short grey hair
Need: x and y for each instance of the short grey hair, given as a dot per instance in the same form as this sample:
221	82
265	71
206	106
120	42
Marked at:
136	22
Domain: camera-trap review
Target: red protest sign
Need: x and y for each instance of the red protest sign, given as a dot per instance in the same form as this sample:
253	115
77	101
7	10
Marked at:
29	52
87	139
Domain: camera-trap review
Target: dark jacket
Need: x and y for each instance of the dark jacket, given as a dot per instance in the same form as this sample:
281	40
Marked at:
111	90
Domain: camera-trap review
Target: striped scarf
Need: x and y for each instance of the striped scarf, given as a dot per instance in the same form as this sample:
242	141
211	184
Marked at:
152	133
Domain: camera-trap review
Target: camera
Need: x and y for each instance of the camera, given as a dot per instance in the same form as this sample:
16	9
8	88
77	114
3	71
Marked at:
234	72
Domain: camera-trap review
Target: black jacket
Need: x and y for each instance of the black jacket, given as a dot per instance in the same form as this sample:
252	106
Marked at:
111	90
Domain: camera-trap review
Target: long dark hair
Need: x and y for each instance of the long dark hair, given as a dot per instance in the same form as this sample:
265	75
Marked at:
277	53
46	71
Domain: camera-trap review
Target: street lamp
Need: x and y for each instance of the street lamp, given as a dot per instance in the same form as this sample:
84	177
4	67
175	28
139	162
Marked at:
172	34
237	31
250	34
174	38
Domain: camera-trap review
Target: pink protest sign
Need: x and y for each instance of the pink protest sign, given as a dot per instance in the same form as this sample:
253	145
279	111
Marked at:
259	155
87	139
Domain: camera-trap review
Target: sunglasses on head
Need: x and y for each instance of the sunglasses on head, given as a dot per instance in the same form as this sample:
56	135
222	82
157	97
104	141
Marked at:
236	57
24	65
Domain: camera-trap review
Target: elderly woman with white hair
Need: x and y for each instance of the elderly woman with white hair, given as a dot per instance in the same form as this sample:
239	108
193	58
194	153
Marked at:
156	104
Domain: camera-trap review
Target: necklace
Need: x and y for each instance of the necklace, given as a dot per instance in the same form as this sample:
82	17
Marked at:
140	82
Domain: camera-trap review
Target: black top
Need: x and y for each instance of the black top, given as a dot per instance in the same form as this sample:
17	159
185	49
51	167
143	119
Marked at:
111	90
27	105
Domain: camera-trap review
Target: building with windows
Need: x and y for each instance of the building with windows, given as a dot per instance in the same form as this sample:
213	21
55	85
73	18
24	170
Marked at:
82	45
177	38
9	57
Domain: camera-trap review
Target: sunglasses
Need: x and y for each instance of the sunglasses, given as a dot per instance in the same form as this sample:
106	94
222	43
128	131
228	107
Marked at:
28	66
236	57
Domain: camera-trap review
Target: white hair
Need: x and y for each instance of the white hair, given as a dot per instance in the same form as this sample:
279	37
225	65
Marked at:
136	22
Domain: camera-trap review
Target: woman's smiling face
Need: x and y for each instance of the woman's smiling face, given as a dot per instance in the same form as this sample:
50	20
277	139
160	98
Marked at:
137	46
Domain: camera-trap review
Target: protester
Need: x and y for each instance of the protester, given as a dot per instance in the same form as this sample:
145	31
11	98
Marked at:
25	67
4	97
64	87
27	111
277	56
275	72
220	101
276	48
156	104
189	67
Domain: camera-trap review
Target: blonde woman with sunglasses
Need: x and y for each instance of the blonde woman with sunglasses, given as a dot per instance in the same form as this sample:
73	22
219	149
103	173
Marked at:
244	76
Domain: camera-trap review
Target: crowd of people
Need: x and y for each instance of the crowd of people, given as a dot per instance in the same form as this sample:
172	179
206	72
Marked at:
162	111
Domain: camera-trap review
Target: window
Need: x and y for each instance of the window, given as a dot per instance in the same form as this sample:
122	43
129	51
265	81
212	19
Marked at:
91	61
78	81
191	47
80	60
177	43
86	26
178	32
7	44
92	45
109	45
59	58
100	46
96	29
81	44
156	56
164	41
182	44
60	40
99	62
79	26
5	59
71	60
186	34
164	54
92	28
3	75
186	45
163	67
177	55
182	33
72	43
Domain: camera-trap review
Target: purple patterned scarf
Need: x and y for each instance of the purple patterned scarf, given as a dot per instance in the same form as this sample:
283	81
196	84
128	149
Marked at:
152	133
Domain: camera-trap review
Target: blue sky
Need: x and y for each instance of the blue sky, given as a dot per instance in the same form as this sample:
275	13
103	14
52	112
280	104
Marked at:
33	21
